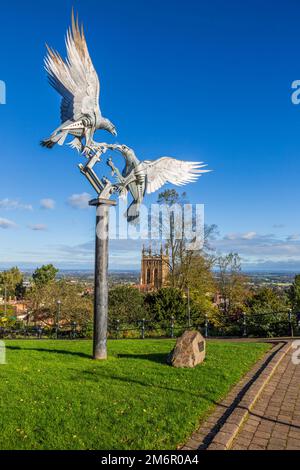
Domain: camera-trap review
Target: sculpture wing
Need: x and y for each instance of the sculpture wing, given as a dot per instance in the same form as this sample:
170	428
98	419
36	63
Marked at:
169	170
75	79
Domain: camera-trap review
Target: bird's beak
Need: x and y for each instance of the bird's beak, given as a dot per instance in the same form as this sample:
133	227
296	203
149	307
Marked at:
118	147
114	132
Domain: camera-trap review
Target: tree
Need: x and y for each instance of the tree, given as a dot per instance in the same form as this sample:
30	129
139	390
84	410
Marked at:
20	290
74	307
195	274
10	280
44	275
181	258
174	240
190	269
294	294
232	285
268	313
166	303
126	304
171	197
268	300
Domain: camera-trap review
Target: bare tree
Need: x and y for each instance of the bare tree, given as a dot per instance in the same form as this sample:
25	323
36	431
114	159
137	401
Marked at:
232	284
182	260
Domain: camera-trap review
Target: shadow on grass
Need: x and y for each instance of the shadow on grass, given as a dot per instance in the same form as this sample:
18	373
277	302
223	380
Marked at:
160	358
94	377
55	351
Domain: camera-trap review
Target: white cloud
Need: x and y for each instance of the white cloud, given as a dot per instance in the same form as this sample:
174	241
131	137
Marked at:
122	254
5	223
294	237
47	203
13	204
260	252
249	235
260	248
269	265
38	227
79	201
242	236
231	236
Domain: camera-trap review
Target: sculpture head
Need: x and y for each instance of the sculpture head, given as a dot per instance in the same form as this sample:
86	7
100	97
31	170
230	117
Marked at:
121	148
108	126
127	153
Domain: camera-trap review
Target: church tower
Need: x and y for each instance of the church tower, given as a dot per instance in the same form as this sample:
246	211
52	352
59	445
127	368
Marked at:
155	269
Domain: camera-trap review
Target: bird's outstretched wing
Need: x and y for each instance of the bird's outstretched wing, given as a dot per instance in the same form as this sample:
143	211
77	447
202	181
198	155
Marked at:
75	79
169	170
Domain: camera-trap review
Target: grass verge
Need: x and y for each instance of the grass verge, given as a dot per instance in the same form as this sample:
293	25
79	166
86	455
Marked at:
53	396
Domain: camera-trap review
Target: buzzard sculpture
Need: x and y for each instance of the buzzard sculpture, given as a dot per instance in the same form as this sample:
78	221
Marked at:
140	177
76	80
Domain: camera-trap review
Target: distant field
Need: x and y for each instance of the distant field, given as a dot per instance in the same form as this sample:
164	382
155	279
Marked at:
53	396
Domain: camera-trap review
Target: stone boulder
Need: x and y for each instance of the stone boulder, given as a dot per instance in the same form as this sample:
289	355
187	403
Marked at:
189	350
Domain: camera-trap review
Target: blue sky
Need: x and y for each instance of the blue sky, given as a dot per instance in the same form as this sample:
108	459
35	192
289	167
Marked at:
197	80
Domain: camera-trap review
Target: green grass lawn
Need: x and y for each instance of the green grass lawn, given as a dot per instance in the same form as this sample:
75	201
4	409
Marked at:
53	396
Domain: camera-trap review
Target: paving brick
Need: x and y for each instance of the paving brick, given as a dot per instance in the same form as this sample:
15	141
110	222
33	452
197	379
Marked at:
246	434
260	441
254	420
266	426
277	441
256	447
249	428
230	428
263	434
234	419
215	446
222	438
192	443
239	447
242	441
294	433
293	442
273	422
280	434
279	407
275	447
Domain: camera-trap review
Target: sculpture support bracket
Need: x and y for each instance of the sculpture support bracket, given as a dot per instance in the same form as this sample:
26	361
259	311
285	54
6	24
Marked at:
104	187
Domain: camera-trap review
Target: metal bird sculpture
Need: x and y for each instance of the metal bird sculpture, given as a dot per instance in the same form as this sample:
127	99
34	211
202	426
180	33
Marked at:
141	177
76	80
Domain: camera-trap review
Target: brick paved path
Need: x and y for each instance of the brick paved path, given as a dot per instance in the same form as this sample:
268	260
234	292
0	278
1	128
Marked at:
274	422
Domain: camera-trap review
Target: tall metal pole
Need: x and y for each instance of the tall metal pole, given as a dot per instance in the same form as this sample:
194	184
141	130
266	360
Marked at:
101	277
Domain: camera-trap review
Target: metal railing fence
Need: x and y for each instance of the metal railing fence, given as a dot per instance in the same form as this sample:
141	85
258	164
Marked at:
268	324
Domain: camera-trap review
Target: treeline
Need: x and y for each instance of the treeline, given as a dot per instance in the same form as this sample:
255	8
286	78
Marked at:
48	299
222	296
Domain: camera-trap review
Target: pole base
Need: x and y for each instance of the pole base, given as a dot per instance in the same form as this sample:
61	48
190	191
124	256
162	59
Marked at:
100	356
